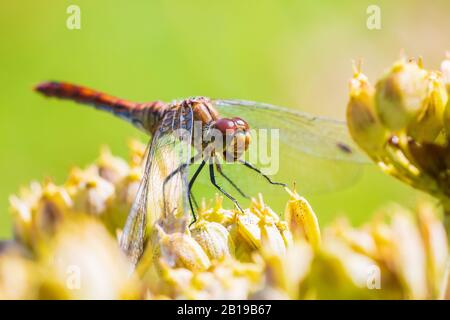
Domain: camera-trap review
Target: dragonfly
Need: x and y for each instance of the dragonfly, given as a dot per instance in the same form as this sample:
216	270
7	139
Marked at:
165	192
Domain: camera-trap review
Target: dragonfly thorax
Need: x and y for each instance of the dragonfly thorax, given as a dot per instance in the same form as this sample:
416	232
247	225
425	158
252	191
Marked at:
229	137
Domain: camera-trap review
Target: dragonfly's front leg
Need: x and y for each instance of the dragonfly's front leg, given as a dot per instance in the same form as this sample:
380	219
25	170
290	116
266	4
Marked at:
250	166
191	183
213	181
194	201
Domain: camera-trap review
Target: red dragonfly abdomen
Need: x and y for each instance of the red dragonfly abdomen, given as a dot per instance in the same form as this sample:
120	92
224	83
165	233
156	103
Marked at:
146	116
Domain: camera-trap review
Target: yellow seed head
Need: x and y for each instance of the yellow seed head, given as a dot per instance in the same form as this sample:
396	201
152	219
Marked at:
85	262
302	220
400	94
427	123
38	211
179	250
435	241
362	119
90	192
214	238
409	256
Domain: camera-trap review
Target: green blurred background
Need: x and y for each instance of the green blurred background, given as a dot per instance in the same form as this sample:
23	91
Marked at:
293	53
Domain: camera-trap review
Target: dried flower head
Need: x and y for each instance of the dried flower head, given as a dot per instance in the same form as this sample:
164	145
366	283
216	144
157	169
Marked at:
66	247
402	124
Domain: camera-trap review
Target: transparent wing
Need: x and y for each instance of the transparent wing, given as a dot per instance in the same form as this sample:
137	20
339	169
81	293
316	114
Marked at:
316	154
317	136
168	198
162	199
133	235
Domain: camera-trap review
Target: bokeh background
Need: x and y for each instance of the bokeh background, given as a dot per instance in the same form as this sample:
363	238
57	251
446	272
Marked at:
292	53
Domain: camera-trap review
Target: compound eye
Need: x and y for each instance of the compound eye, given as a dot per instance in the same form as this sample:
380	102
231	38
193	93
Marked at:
240	122
225	124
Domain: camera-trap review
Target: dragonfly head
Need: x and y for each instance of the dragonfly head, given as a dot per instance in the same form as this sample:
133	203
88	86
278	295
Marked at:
235	134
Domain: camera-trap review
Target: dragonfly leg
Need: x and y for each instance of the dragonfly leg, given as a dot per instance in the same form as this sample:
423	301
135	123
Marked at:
194	201
171	175
213	181
249	165
191	183
219	169
194	217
